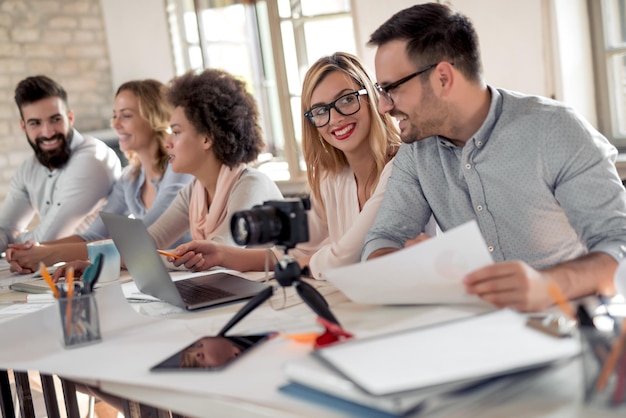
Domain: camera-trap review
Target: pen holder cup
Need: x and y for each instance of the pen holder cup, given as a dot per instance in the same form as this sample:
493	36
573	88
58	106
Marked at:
604	372
79	320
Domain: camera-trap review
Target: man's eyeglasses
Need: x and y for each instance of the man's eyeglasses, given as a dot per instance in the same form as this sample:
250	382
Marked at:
386	90
346	105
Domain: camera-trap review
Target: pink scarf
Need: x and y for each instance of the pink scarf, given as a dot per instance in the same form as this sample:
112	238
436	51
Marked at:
204	220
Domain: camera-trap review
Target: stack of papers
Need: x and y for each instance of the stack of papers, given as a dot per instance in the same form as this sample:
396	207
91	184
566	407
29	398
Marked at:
397	372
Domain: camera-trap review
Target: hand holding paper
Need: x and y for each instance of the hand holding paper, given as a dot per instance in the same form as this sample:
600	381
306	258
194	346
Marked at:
428	273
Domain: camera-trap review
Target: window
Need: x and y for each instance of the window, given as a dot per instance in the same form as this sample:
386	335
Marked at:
608	22
270	44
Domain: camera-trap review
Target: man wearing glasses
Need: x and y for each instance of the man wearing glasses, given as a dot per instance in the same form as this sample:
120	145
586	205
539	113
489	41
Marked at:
537	178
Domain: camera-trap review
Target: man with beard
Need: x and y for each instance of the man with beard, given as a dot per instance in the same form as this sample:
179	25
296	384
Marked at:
67	180
537	178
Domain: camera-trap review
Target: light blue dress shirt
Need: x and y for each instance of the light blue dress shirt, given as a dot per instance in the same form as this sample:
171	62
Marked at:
538	179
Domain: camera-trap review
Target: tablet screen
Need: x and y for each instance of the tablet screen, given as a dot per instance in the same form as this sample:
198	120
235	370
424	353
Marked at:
211	353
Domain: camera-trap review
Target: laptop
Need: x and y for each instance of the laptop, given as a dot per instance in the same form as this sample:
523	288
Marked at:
151	276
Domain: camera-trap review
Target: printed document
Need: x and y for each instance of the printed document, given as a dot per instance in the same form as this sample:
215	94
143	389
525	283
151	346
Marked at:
430	272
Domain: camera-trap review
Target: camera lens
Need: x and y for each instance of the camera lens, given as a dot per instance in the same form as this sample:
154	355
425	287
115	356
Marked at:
259	225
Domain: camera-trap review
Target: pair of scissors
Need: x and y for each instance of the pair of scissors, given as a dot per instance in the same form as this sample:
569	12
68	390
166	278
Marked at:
92	273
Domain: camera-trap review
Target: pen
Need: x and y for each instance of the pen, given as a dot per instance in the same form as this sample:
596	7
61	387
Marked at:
561	300
168	254
620	385
611	361
69	275
46	276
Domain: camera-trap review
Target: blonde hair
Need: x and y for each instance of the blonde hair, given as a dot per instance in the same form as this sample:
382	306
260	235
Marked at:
322	160
154	108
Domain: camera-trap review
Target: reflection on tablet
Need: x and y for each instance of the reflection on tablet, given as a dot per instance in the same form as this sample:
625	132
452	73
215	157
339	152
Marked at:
211	353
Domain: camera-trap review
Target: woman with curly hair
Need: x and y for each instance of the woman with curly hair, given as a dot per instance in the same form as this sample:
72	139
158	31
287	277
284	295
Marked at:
348	148
141	116
215	133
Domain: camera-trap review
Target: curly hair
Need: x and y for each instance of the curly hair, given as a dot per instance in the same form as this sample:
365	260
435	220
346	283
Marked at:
217	104
383	138
154	108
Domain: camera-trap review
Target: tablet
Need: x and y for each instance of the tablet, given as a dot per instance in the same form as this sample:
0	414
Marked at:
212	353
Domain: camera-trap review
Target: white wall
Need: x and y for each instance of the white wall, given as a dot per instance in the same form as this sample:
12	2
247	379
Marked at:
369	15
526	45
512	48
138	40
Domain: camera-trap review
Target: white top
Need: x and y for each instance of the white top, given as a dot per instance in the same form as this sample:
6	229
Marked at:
337	232
66	200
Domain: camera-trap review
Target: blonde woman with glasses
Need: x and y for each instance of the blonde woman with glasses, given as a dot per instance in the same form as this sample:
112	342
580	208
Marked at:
348	148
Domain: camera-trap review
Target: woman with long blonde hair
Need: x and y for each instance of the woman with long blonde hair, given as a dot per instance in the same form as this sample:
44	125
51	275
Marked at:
348	148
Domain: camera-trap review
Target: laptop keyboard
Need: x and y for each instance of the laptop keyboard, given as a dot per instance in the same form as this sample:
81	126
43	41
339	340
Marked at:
193	293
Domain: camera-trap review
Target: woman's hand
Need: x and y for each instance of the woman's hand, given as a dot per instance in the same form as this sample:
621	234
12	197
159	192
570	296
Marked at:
24	257
79	269
199	255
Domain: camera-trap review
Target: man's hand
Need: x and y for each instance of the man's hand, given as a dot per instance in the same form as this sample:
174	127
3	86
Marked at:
384	251
512	284
199	255
420	238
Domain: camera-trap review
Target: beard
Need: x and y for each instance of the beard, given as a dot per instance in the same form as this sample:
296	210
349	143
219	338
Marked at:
427	123
427	128
57	157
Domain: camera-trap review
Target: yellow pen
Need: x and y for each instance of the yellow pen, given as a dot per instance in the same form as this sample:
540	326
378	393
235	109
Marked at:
168	254
46	276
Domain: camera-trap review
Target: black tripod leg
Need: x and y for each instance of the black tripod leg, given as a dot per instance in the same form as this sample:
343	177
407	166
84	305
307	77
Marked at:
312	297
247	308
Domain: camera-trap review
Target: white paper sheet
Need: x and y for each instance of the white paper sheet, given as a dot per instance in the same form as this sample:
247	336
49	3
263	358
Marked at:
482	346
427	273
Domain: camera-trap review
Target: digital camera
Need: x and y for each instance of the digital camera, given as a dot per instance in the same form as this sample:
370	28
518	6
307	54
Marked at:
283	222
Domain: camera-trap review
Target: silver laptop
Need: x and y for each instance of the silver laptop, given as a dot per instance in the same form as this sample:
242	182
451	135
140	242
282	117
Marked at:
149	273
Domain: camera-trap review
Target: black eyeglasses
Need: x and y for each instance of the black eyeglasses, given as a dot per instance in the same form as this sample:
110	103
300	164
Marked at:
386	91
346	105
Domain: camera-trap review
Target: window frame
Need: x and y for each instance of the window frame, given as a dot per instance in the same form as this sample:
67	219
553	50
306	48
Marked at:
291	144
606	96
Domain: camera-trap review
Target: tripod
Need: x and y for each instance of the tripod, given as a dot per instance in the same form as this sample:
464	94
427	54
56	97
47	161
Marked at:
287	272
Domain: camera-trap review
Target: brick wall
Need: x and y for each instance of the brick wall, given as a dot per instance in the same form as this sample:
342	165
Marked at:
65	40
